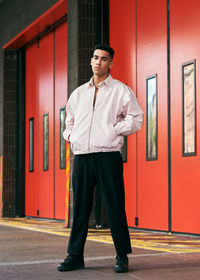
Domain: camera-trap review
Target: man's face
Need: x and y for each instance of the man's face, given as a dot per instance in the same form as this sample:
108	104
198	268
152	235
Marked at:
101	63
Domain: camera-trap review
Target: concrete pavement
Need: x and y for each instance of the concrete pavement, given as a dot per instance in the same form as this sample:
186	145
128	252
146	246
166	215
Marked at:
31	249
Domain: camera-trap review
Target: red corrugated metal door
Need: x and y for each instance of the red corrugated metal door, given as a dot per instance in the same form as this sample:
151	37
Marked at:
46	93
185	108
152	141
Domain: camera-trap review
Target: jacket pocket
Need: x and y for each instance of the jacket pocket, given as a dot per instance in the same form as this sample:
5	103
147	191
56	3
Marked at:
110	135
78	144
106	138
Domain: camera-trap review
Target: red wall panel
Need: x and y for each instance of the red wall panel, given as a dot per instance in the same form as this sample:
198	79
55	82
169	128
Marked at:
60	101
152	59
122	39
46	105
185	43
31	178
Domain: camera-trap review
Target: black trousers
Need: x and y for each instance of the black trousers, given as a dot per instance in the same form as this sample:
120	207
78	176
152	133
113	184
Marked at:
106	169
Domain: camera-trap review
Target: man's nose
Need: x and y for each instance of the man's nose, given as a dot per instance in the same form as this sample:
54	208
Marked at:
98	61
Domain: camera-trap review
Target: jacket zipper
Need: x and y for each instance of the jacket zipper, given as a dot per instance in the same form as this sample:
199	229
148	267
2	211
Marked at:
90	129
91	120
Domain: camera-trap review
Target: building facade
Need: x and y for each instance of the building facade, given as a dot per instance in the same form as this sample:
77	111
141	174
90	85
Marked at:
45	54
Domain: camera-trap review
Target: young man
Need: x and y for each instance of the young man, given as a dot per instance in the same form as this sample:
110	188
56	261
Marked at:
99	114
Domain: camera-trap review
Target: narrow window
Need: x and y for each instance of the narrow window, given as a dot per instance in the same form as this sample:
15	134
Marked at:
62	140
45	142
31	145
189	108
151	115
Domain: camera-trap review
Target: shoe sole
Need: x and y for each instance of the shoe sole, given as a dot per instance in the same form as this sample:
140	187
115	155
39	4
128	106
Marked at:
69	269
120	270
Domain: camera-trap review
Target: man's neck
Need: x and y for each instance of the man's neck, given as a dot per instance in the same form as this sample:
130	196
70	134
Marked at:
99	79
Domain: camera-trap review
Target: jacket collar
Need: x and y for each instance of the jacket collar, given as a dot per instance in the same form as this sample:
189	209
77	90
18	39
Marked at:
106	82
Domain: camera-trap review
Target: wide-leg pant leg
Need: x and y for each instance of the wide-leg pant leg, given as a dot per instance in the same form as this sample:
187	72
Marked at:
83	181
110	178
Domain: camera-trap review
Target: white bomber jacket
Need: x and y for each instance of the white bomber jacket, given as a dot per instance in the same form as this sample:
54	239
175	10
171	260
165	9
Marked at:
102	127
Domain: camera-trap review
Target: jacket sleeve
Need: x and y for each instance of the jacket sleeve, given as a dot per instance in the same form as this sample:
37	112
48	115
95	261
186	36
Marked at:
69	121
132	115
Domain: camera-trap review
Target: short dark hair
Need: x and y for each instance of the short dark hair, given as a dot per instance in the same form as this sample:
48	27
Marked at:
105	47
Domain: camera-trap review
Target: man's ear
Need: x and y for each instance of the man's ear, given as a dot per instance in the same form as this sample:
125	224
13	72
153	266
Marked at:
111	64
91	61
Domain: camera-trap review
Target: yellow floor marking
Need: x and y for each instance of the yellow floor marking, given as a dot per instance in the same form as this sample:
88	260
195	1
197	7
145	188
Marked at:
143	240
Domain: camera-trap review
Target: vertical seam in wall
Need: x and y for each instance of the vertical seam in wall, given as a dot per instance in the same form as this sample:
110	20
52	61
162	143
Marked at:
169	118
54	44
38	123
136	95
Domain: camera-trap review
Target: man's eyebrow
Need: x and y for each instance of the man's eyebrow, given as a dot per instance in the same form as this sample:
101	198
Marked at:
100	56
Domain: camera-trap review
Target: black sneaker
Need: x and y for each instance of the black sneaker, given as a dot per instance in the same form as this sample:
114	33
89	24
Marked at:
121	264
71	262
